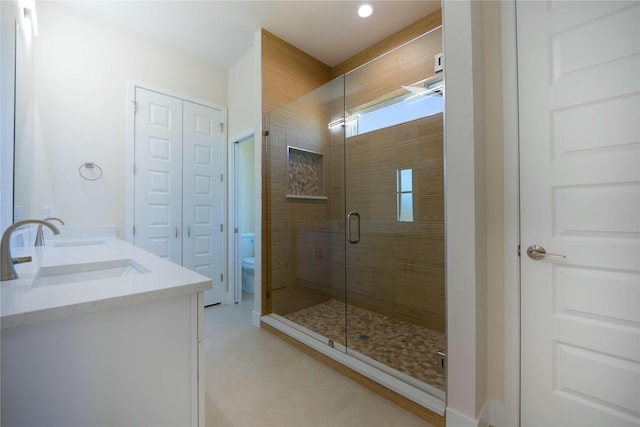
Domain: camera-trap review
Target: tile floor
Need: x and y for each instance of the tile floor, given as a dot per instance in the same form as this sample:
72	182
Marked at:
254	378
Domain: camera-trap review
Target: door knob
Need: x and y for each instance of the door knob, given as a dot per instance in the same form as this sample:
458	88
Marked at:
537	252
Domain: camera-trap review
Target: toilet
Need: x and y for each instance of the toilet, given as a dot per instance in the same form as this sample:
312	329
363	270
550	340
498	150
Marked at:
247	245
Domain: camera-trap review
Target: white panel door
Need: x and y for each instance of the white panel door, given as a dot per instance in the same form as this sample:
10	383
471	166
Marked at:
579	113
203	243
158	174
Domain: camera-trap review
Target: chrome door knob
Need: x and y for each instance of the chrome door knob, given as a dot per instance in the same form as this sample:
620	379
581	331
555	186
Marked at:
537	252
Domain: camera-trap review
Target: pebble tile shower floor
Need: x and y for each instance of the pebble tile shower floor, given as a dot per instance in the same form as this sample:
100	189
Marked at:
408	348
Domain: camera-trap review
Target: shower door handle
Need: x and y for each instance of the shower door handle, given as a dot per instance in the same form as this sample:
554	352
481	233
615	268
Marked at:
350	217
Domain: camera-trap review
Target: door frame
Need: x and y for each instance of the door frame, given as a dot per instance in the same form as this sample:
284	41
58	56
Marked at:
511	214
234	257
129	158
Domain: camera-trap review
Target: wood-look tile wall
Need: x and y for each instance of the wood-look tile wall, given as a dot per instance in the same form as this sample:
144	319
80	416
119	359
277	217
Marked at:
300	230
287	74
403	36
397	268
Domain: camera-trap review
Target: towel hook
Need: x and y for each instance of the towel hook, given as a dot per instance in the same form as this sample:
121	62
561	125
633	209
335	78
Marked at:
89	165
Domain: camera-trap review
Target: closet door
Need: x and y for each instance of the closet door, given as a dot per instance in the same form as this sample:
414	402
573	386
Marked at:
202	195
158	174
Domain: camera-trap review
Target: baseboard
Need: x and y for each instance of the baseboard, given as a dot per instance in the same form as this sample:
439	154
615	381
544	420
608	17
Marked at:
491	414
456	419
255	318
497	414
485	415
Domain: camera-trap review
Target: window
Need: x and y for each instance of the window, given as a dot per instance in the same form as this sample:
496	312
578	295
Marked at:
419	102
405	195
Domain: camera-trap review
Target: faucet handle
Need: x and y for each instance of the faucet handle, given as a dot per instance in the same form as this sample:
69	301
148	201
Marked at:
21	259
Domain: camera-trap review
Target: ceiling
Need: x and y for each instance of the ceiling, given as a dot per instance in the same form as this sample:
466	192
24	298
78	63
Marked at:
220	32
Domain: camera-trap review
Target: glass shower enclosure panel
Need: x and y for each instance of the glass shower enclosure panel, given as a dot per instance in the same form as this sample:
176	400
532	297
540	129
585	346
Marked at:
304	222
354	214
394	207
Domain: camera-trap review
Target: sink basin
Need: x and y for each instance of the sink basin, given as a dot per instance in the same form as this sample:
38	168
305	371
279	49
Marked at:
68	243
62	274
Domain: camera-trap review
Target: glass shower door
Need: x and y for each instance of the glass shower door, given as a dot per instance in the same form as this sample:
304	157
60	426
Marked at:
304	197
394	210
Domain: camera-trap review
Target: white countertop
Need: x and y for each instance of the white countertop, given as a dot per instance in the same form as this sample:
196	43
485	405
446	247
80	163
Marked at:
24	301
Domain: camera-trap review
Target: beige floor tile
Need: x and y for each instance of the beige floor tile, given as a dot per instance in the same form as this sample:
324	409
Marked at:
254	378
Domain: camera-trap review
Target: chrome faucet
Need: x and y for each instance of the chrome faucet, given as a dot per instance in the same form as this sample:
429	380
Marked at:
40	233
7	271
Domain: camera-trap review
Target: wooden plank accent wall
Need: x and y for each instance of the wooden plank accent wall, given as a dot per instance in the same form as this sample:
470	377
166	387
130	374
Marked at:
409	33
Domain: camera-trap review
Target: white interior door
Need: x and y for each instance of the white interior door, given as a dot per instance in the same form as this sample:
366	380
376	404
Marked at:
203	243
579	113
158	174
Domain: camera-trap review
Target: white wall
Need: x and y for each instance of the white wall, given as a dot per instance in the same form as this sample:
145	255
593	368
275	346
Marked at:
465	210
81	68
242	94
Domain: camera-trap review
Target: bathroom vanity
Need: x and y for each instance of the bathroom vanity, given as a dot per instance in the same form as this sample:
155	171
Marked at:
99	332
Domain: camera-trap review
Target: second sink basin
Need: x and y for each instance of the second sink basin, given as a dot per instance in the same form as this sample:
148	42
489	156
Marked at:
62	274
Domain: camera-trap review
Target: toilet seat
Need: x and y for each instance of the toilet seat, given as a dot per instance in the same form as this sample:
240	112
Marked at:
249	263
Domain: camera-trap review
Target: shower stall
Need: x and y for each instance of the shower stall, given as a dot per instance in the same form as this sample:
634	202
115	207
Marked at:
354	215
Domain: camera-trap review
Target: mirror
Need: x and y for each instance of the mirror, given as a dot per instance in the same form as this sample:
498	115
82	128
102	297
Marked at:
73	107
23	147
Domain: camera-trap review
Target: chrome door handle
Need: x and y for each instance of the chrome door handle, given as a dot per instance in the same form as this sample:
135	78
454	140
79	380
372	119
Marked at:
351	215
537	252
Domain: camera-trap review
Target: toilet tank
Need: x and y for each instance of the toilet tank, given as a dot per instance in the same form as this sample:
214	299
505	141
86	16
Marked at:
247	245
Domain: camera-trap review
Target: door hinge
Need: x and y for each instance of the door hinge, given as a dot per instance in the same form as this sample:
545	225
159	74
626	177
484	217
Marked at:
265	133
221	127
221	177
519	250
221	277
134	230
221	227
235	230
134	169
135	107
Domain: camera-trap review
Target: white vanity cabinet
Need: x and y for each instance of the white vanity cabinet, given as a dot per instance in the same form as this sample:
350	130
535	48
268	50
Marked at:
124	360
129	366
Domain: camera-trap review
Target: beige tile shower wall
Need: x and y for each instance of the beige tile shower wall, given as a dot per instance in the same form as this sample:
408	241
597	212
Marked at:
397	268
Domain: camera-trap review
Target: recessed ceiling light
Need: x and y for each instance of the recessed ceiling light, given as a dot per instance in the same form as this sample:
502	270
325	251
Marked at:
365	10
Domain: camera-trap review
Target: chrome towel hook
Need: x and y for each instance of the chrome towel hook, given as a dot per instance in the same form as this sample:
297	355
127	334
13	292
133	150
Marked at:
86	166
